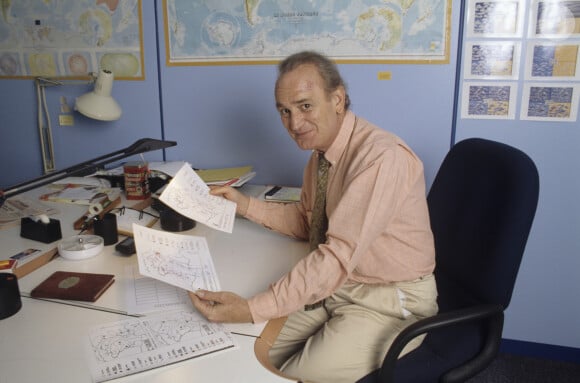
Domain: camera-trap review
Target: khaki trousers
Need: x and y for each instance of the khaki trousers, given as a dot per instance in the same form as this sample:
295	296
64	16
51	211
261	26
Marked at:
349	336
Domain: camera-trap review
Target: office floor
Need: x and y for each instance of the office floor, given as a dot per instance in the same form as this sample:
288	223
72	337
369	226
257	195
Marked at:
519	369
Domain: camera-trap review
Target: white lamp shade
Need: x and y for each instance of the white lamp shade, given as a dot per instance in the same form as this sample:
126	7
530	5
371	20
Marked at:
99	104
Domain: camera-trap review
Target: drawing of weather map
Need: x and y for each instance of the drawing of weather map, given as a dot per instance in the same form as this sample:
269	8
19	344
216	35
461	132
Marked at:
550	102
179	260
134	345
492	60
493	18
485	101
551	61
188	194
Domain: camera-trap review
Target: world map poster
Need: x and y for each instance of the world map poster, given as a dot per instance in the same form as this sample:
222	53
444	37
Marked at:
70	38
206	32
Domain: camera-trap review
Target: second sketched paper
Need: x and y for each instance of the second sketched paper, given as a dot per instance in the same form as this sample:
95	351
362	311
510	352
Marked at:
188	195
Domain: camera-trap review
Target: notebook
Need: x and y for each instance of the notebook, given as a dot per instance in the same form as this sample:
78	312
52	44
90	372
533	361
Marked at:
69	285
127	217
283	194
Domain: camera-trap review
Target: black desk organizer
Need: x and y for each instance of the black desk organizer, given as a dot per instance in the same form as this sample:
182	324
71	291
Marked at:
40	231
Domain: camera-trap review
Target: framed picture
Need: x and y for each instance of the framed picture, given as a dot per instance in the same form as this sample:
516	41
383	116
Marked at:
553	61
71	39
494	18
555	19
550	102
488	100
492	60
209	32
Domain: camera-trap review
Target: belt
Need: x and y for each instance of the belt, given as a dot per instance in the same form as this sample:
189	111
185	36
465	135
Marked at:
314	306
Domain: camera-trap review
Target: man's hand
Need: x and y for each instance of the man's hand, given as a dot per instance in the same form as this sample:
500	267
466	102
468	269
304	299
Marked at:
221	306
242	201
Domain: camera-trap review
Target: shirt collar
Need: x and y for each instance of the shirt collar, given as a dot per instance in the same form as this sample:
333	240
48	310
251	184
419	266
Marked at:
339	144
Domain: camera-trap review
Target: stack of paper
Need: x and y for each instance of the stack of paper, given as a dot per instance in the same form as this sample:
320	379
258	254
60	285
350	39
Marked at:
134	345
80	190
226	176
236	176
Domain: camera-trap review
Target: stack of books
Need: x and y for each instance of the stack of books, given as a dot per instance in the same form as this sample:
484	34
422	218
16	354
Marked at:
226	176
8	265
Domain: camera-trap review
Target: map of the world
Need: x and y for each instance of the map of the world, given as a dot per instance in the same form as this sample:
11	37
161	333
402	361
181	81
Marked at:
70	38
210	31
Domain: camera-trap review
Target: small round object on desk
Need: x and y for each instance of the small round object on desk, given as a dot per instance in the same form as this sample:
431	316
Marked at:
80	247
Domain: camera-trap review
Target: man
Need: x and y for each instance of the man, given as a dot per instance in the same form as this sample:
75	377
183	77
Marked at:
371	274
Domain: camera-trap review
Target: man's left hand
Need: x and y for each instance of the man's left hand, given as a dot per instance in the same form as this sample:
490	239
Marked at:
221	306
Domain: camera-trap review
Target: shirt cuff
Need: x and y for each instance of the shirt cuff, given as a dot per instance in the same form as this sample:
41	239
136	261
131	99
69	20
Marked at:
255	210
263	307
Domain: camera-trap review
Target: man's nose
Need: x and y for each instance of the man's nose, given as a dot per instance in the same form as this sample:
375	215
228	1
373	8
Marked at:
295	122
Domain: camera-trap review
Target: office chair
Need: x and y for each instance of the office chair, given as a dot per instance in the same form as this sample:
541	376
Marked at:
481	205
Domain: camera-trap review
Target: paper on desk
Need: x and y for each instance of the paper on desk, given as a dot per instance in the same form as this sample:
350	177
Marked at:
180	260
188	194
134	345
19	207
146	295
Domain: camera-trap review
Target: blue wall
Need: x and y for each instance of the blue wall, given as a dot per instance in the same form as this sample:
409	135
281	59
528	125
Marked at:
19	140
225	116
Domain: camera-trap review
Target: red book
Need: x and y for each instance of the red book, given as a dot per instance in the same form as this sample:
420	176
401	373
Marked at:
75	286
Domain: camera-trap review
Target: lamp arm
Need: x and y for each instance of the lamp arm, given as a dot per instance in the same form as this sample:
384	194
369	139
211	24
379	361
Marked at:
140	146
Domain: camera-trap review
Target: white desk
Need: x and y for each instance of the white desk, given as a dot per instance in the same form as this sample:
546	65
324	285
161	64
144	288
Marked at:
44	340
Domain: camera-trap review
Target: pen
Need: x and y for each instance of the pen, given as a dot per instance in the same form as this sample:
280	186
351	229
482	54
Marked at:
273	191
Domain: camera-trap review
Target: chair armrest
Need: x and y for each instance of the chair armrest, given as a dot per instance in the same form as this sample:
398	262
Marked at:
490	312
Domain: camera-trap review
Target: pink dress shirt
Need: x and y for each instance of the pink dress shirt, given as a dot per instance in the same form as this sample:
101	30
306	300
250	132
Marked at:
378	222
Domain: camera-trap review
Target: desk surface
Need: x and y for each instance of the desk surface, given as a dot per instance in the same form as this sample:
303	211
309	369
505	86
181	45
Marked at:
246	262
44	342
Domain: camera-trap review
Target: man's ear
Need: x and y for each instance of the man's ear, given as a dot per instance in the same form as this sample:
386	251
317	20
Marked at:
339	99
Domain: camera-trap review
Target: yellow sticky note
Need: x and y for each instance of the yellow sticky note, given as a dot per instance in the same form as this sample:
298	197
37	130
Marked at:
384	75
66	120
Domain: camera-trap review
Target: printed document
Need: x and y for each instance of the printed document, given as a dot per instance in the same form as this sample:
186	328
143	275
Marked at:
146	295
189	195
180	260
134	345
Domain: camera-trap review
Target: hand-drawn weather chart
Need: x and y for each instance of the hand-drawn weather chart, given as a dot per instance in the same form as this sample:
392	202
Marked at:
179	260
134	345
189	196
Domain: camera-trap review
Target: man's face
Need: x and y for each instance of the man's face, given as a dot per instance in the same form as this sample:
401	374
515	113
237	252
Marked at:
311	116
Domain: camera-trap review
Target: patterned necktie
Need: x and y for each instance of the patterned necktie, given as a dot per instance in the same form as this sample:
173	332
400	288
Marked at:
319	223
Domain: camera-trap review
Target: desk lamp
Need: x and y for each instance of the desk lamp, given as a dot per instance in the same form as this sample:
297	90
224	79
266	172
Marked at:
140	146
97	104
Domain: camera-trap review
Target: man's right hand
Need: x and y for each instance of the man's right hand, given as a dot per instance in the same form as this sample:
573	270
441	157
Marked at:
242	201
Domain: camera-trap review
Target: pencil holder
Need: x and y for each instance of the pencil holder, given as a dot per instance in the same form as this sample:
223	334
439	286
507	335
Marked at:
106	227
173	221
10	302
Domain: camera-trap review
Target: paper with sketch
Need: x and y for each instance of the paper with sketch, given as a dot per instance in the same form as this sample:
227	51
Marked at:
146	295
188	194
134	345
180	260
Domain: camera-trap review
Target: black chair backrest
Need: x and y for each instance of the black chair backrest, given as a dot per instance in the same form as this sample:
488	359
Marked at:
482	204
